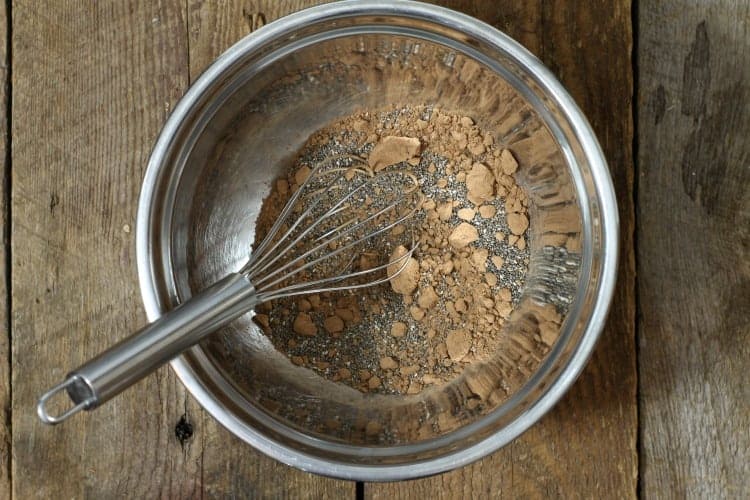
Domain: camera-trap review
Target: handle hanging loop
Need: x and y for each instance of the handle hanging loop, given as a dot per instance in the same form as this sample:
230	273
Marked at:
41	407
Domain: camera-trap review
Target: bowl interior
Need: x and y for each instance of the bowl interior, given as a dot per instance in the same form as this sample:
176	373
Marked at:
247	131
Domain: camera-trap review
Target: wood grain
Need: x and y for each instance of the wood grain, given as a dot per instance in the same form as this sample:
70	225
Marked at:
217	24
93	83
586	446
694	248
5	408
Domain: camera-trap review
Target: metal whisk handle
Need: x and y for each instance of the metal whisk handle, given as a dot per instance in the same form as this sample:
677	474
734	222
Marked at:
130	360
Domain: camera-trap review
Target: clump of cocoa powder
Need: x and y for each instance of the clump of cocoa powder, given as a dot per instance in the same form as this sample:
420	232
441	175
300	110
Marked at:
446	307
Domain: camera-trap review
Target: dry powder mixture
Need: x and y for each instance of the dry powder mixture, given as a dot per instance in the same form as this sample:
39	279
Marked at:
446	308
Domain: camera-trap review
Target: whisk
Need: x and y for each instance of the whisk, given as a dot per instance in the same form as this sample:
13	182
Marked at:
340	210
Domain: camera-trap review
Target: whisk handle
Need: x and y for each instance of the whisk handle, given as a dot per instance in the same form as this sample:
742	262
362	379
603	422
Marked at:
130	360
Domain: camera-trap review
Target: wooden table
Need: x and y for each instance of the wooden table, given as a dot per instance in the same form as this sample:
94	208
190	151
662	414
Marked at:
662	408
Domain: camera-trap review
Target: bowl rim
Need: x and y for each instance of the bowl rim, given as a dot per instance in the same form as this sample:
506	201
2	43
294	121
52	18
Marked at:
601	181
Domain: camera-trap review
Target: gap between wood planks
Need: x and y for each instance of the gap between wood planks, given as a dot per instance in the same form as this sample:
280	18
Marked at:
7	212
637	306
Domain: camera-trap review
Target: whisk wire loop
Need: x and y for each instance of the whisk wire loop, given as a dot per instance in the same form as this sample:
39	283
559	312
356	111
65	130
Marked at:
275	256
309	287
312	239
335	238
301	258
261	250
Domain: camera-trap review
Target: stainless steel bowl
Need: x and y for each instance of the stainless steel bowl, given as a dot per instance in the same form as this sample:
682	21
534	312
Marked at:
240	125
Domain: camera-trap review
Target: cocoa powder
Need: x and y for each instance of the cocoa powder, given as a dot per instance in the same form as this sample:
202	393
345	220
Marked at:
445	310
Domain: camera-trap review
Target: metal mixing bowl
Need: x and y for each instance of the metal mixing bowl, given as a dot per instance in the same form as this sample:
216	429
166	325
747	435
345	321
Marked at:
240	126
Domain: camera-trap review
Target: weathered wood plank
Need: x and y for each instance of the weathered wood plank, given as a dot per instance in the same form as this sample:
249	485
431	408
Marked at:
93	84
217	24
5	448
586	446
230	468
694	248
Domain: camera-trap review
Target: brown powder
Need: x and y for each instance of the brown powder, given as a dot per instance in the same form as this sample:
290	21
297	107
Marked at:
446	308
